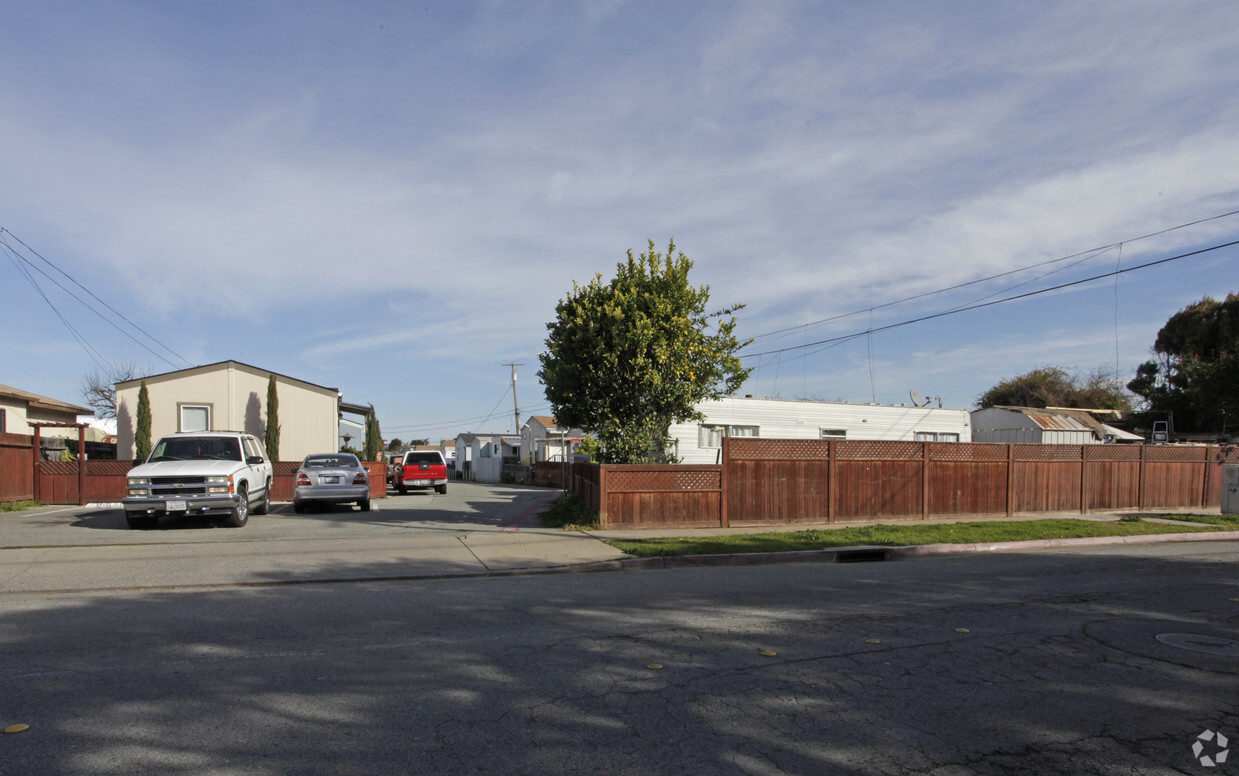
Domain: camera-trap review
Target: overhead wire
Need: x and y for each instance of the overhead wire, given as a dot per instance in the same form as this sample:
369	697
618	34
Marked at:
943	314
94	355
4	241
1083	256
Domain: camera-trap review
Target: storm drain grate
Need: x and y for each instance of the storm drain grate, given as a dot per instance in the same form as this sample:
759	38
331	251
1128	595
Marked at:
860	556
1198	642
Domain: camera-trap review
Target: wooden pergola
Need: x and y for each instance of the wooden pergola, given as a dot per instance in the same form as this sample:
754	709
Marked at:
81	455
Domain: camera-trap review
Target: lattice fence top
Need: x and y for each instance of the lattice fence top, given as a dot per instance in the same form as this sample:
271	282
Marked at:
880	451
1226	455
1175	453
953	451
58	467
753	449
1029	451
1114	453
637	481
108	467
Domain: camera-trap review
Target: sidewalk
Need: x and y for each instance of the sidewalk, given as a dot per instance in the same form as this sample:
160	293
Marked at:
47	550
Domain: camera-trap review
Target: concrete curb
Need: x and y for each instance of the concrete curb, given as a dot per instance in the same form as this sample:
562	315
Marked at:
863	553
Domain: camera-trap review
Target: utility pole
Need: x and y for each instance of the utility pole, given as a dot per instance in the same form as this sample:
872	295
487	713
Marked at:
516	410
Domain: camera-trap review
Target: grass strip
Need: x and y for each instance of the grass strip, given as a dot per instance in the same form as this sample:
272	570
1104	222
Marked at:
568	512
903	536
17	506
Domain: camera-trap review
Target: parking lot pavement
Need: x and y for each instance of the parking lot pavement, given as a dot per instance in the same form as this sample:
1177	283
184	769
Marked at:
472	530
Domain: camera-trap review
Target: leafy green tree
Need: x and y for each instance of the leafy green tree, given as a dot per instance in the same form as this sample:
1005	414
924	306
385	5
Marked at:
628	358
142	436
1054	386
591	447
273	421
1195	369
374	438
394	445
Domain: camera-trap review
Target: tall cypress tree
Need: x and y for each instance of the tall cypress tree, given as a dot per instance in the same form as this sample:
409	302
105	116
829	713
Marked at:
374	438
142	437
273	421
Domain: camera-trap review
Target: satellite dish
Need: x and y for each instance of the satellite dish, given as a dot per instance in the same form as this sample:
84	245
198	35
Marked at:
917	399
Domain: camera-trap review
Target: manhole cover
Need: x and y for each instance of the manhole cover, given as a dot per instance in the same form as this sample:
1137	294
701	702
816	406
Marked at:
1198	642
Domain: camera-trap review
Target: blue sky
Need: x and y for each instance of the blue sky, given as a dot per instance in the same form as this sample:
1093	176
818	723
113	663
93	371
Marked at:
389	198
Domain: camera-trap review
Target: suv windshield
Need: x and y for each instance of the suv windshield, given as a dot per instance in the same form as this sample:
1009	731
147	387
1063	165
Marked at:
189	448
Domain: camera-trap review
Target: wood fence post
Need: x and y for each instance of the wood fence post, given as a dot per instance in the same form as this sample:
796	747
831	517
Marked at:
602	495
924	480
1140	479
36	457
81	466
1010	479
832	455
724	500
1204	476
1084	479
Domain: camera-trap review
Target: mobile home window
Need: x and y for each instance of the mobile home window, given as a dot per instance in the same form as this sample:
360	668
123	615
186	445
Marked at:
834	433
195	417
2	426
712	436
930	436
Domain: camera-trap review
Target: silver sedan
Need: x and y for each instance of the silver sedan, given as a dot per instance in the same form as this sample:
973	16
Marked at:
331	478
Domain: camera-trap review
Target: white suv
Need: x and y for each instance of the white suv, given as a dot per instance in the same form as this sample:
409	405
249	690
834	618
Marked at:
200	473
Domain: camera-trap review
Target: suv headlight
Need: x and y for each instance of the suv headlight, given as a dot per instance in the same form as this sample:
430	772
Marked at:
139	486
218	484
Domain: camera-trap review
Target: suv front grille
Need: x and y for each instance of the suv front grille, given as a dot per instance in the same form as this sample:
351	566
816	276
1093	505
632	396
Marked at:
178	486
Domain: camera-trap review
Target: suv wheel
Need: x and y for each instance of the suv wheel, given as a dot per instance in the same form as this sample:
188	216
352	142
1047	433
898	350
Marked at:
241	512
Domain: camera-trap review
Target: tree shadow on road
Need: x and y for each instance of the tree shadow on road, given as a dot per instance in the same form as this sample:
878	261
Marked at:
979	665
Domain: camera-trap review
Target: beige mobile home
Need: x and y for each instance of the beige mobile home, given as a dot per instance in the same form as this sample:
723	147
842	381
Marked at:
231	396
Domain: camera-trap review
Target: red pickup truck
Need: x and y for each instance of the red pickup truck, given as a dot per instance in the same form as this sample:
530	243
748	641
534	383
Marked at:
421	469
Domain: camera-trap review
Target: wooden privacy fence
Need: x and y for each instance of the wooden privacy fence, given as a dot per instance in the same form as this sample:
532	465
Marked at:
66	482
16	467
804	481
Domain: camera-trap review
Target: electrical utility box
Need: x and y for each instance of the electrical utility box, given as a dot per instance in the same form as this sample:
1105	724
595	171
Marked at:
1230	489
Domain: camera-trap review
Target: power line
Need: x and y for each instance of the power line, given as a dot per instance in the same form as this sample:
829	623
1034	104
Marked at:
95	355
1087	254
45	260
85	304
898	324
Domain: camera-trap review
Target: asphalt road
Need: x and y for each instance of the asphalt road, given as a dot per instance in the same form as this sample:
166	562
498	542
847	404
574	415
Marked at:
472	529
999	664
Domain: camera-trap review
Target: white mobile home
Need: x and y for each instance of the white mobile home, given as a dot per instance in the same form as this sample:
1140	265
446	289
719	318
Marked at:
702	442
